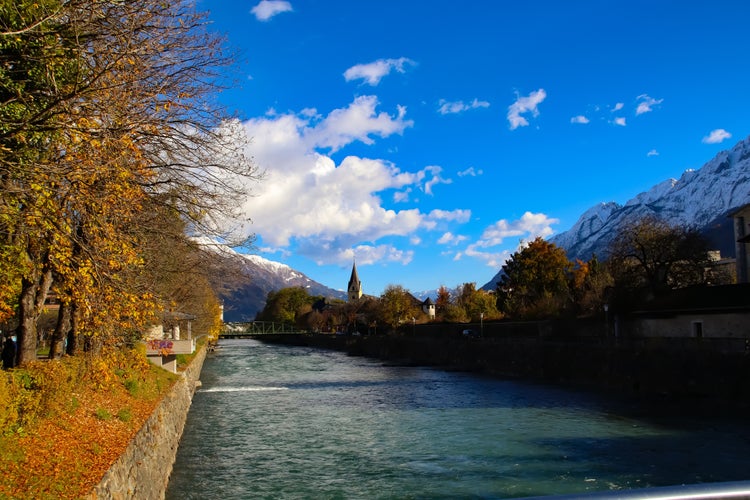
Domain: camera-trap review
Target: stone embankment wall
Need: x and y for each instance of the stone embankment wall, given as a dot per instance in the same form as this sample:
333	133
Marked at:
143	470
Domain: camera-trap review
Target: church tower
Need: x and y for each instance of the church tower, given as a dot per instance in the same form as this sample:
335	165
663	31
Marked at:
354	291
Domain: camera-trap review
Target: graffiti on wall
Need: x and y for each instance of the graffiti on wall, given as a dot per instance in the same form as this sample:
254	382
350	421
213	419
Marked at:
164	347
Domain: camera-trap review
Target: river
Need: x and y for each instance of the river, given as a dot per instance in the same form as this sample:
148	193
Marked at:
294	422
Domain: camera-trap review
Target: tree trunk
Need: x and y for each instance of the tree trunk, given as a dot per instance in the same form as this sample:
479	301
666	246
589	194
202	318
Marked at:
72	346
57	344
26	331
33	294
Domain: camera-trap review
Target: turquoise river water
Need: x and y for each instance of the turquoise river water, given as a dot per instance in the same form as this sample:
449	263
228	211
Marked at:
293	422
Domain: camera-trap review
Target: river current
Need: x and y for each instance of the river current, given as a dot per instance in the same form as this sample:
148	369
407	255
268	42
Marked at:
293	422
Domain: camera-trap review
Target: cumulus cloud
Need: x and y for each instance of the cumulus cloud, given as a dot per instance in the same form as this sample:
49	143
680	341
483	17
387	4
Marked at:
619	121
454	107
579	119
372	73
357	122
618	106
528	227
449	238
646	104
523	105
653	152
529	224
716	136
365	255
324	207
267	9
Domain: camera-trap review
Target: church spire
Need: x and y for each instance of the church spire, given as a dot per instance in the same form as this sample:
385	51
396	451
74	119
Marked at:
354	290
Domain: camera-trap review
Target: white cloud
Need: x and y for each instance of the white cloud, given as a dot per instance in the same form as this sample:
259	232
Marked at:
523	105
356	122
321	207
402	196
579	119
716	136
528	227
454	107
266	9
471	171
459	215
619	121
372	73
653	152
449	238
494	260
530	224
646	104
618	106
435	180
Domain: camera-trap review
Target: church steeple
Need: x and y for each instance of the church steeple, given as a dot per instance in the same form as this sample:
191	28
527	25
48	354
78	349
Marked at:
354	291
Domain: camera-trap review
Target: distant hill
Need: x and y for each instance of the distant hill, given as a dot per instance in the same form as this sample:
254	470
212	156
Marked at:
260	276
701	198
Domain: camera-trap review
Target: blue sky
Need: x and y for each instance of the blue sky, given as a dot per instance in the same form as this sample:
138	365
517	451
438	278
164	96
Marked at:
427	140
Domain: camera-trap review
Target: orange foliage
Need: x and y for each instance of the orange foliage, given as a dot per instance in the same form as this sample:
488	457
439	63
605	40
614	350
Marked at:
66	453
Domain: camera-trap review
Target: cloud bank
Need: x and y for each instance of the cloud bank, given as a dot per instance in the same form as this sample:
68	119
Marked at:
325	208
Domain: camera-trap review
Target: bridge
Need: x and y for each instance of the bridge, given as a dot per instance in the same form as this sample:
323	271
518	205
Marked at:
255	328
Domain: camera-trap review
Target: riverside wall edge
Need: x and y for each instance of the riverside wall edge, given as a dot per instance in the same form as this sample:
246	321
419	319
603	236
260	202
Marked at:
144	468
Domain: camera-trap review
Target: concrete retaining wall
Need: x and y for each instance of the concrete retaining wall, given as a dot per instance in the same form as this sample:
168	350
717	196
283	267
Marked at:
143	470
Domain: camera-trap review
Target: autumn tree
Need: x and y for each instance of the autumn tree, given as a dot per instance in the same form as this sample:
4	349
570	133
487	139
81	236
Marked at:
286	305
443	300
397	306
476	304
104	107
534	281
590	286
650	256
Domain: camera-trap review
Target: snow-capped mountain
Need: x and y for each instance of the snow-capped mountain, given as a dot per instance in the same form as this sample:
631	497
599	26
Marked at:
258	276
699	198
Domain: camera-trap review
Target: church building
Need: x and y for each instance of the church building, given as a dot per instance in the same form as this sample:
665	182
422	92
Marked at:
354	291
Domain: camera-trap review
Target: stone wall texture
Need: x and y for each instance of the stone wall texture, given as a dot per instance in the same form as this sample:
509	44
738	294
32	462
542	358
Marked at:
143	470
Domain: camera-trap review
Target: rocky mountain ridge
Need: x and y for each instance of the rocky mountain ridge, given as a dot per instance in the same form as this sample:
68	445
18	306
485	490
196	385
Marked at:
258	276
701	198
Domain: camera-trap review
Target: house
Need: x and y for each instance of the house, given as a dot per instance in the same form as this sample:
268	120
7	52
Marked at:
428	307
696	312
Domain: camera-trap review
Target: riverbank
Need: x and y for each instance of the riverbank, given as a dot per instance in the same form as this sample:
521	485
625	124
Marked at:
143	469
695	377
85	427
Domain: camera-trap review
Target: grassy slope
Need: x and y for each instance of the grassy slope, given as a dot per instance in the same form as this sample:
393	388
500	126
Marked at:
72	420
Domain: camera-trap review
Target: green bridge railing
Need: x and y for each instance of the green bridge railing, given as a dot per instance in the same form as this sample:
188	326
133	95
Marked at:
238	330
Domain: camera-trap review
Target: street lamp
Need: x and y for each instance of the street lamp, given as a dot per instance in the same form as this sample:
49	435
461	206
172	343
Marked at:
481	324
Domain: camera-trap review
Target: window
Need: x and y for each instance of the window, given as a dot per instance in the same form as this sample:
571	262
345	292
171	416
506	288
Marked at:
698	329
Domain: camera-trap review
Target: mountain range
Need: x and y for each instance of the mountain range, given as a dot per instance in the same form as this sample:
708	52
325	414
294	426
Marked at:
701	198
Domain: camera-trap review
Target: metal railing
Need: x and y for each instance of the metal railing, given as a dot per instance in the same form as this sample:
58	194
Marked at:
702	491
258	328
